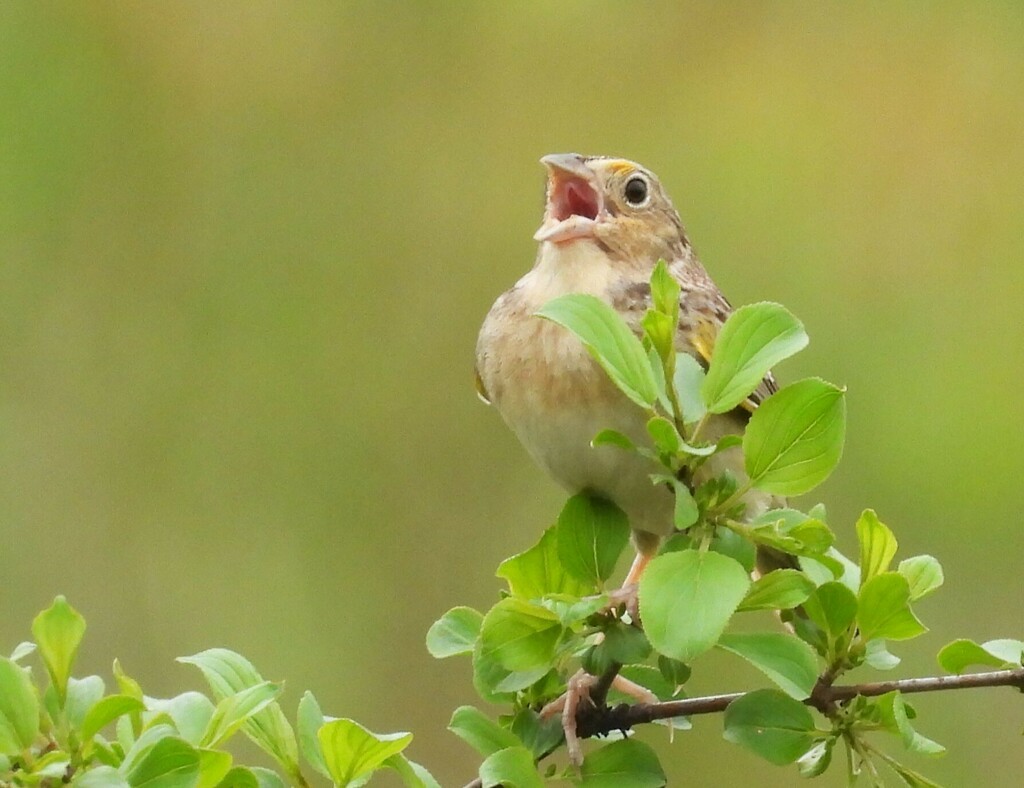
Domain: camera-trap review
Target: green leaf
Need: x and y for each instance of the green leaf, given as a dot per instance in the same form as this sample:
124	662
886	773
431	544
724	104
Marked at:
229	673
795	438
22	650
879	657
190	712
105	711
628	763
612	438
540	736
877	545
833	607
100	777
661	332
510	768
783	658
688	380
816	760
730	543
539	572
755	338
58	631
685	511
626	644
893	710
413	775
687	598
781	589
521	636
771	724
665	292
309	721
957	656
19	709
352	752
609	340
481	732
214	766
592	533
235	710
265	778
170	763
673	671
923	573
454	633
884	609
664	434
82	695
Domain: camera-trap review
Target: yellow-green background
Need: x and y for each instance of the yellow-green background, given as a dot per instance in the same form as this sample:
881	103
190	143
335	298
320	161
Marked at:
245	249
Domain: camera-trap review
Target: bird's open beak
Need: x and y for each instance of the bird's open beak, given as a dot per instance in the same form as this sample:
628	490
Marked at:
574	199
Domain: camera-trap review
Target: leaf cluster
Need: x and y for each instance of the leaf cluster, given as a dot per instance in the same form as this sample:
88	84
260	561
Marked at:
71	730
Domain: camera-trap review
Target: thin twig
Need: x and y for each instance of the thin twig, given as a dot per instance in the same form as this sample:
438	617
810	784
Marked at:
598	722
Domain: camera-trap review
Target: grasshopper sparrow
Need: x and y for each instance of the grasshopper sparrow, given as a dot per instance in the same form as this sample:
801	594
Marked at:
606	224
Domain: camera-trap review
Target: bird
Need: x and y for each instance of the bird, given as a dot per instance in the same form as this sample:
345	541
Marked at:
607	222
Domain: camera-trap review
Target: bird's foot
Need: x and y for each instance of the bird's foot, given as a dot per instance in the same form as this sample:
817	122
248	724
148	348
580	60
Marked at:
577	695
629	597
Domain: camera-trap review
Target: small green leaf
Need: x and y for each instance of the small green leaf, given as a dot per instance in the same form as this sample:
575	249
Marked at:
878	656
540	736
19	709
214	766
592	533
781	589
783	658
687	598
105	711
877	545
454	633
413	775
228	673
795	438
688	380
58	631
884	609
664	434
351	752
235	710
100	777
674	672
22	650
309	720
755	338
661	333
628	763
665	292
609	340
519	635
894	713
510	768
957	656
190	712
923	573
169	763
771	724
82	695
612	438
816	760
265	778
538	572
481	732
833	607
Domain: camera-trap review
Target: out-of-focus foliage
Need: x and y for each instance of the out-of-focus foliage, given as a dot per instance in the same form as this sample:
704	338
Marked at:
245	249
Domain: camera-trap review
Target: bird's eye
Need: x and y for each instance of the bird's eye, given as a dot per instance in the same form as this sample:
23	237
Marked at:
636	191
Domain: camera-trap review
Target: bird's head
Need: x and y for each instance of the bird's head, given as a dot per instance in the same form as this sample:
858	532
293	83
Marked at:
616	203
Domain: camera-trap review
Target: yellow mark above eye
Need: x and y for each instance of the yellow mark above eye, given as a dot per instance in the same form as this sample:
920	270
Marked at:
621	166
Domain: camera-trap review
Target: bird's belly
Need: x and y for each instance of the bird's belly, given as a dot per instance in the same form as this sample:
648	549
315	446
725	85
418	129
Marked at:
555	398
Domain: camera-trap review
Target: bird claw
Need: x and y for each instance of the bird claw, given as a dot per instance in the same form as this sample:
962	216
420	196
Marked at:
577	691
627	596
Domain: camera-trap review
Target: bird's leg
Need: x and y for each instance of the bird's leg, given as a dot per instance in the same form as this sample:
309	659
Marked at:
578	691
627	594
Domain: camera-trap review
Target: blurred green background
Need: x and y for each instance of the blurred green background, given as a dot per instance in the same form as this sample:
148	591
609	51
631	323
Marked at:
245	249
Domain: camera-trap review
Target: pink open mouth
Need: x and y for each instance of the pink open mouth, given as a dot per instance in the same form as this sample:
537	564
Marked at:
572	196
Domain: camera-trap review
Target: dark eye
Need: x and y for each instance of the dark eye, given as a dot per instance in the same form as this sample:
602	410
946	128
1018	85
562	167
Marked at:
636	191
